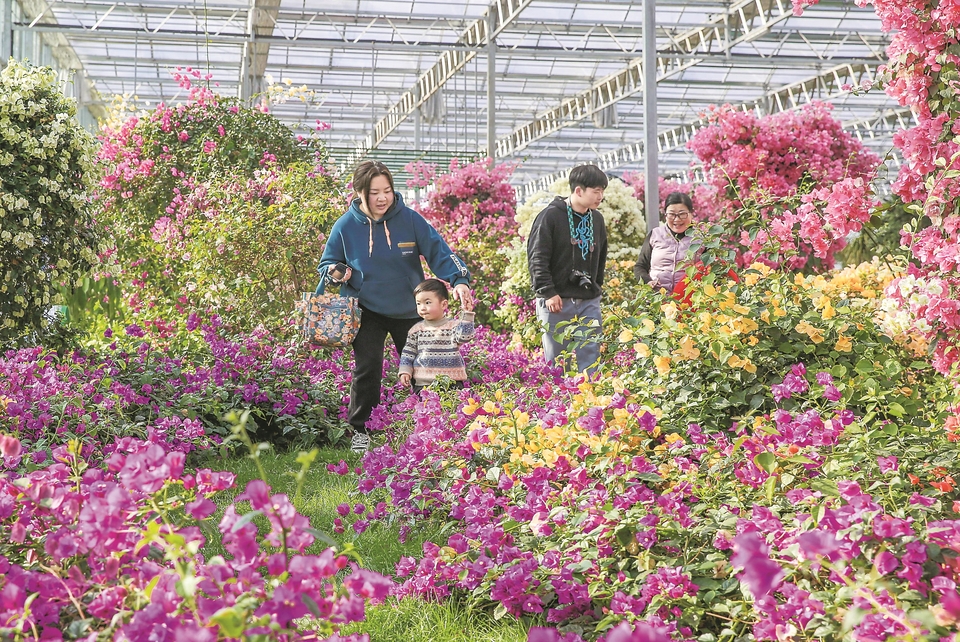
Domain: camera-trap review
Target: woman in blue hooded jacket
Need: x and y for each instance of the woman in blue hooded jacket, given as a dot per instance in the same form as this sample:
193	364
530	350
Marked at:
380	240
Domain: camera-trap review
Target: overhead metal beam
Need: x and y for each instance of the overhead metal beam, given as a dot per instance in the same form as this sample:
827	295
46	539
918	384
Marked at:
745	21
829	85
501	13
65	55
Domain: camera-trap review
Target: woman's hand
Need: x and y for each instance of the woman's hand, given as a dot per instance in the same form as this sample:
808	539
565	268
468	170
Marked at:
463	294
404	379
337	277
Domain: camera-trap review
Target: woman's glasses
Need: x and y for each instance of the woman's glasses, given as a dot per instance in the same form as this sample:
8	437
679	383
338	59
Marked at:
677	215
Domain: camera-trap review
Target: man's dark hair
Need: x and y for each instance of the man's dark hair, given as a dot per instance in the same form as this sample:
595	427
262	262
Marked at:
678	198
587	176
433	285
364	175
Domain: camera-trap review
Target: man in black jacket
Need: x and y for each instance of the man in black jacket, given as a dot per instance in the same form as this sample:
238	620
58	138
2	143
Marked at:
566	254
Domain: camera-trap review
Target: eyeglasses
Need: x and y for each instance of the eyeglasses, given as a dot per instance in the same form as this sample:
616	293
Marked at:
677	214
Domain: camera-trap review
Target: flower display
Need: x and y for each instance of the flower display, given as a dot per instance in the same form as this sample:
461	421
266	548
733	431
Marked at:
46	233
797	180
113	552
219	203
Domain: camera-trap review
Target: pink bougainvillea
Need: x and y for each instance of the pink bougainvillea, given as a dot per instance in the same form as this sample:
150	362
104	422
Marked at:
921	74
807	179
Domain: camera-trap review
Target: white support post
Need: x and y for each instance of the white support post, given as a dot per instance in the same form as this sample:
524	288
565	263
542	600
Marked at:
491	87
6	36
650	152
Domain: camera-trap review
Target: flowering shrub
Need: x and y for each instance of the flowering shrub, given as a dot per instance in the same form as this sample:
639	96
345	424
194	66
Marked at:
143	385
791	185
214	207
46	232
474	205
921	74
710	485
113	553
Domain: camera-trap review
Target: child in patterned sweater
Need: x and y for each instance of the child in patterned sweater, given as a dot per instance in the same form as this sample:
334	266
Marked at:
433	345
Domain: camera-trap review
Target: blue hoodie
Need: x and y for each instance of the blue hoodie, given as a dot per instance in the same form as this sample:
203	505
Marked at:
385	258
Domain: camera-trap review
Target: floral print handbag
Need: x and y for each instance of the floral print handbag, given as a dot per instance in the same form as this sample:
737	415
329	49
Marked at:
329	320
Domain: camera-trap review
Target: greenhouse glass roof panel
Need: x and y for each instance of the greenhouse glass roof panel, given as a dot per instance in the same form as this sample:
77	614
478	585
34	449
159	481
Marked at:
366	61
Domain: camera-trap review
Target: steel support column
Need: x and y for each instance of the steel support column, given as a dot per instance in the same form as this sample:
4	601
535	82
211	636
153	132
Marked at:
491	87
6	36
651	194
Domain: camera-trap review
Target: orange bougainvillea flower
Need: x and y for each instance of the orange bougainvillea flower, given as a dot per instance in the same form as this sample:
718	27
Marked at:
913	479
944	486
956	507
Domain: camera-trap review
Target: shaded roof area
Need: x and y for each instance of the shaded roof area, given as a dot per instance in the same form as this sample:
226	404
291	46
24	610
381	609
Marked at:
407	80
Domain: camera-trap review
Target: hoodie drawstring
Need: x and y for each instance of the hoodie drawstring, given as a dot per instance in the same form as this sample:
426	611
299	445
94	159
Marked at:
370	243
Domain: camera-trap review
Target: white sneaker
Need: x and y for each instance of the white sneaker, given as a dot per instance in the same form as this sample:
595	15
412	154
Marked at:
360	442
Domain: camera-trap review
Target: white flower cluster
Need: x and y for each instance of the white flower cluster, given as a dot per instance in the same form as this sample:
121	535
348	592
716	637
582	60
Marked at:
905	297
45	169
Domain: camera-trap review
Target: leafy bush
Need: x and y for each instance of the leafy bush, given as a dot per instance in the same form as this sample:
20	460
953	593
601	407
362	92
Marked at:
214	208
173	388
764	460
46	232
113	552
473	207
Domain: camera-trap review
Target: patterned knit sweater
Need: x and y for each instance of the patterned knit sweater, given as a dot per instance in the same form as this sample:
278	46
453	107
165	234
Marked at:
433	349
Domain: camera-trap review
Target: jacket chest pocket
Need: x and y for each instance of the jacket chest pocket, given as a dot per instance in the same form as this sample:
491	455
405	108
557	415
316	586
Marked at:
408	248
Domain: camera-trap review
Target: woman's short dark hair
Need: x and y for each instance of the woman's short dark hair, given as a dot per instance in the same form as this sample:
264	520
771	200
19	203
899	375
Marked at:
433	285
366	172
587	176
678	198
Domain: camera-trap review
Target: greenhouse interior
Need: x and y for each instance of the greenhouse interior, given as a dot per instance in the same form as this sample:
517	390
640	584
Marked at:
480	320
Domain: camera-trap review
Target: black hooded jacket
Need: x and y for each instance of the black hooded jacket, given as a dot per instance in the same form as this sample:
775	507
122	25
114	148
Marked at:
551	257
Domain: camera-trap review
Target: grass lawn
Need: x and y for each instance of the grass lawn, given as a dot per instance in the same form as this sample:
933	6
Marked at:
409	620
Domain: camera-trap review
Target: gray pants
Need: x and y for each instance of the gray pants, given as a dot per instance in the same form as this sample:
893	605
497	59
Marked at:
585	309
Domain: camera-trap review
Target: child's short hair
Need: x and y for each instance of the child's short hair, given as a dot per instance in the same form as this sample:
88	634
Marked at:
587	176
433	285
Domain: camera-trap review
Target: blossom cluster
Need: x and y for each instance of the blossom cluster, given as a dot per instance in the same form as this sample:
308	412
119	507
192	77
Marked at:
115	551
137	385
46	235
808	180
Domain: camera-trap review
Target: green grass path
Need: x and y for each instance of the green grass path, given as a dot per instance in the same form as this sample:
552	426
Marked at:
409	620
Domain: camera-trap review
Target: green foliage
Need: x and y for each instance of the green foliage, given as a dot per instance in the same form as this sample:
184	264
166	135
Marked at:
214	208
251	261
46	233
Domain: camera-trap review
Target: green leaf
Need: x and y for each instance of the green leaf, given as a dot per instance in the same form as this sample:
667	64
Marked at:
312	605
237	525
896	409
231	621
767	461
770	487
825	486
626	535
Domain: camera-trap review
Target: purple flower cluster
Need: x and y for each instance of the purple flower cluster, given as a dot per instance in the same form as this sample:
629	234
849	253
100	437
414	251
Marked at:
117	547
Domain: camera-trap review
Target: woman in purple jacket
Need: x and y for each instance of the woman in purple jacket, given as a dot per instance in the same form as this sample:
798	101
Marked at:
666	247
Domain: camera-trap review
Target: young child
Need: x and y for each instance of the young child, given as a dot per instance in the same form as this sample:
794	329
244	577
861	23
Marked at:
433	345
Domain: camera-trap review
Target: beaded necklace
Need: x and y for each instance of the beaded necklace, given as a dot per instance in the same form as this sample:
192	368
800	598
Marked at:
582	233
